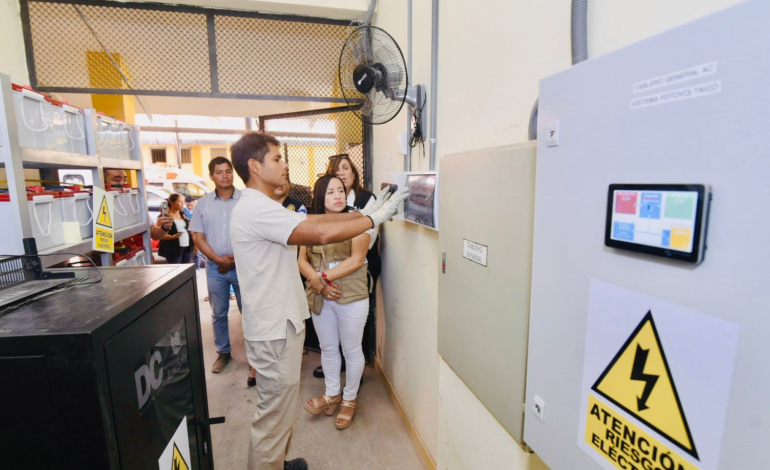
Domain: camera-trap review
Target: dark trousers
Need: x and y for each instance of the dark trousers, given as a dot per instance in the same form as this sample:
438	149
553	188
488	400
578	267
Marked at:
185	256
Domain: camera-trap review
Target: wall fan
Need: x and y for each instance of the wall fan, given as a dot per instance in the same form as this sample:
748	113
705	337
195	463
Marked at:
373	76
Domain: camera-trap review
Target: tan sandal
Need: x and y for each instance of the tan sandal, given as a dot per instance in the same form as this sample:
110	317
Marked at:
330	405
344	421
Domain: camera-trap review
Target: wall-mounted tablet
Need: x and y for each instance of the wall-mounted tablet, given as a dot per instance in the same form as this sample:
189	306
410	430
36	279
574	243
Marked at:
667	220
421	207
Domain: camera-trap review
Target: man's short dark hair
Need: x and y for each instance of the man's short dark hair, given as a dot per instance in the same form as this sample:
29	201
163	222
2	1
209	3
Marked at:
188	199
253	145
218	161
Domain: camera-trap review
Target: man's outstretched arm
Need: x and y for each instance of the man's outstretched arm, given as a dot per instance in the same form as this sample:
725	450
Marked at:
333	217
332	228
322	232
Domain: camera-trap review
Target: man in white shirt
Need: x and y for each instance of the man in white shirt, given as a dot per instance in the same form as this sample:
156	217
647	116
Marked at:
274	302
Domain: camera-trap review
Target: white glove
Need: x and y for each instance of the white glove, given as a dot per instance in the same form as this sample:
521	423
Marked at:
390	207
372	207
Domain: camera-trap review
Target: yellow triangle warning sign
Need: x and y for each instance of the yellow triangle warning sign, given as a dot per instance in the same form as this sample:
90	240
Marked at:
104	218
177	461
639	381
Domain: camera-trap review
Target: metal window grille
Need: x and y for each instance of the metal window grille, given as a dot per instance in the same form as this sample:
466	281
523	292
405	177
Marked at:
12	272
158	155
308	140
180	51
186	156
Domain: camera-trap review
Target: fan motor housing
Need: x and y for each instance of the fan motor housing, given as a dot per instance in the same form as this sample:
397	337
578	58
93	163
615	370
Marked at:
364	78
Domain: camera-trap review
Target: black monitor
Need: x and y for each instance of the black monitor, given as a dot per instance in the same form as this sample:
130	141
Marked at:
667	220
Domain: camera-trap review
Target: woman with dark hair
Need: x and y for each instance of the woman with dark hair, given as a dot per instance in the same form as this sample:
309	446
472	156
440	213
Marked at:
358	198
338	295
343	168
177	245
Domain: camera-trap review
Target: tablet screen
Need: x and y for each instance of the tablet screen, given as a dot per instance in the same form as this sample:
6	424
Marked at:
662	219
419	207
667	220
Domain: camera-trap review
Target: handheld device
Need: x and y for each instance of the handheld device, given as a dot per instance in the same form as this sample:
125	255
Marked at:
393	187
667	220
164	208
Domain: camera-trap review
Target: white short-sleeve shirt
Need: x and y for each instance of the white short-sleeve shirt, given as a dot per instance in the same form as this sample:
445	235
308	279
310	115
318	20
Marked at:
268	275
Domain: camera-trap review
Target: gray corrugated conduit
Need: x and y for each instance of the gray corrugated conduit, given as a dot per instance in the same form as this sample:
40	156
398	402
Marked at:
579	50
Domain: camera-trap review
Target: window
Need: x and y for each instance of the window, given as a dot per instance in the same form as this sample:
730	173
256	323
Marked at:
158	155
189	189
186	156
218	152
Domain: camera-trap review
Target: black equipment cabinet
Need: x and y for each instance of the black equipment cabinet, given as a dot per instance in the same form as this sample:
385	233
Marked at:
107	376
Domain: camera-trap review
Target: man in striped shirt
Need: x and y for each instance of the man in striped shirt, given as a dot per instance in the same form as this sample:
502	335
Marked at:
211	232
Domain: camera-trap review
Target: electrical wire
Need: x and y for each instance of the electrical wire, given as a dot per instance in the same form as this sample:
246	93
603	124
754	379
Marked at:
96	281
417	135
66	285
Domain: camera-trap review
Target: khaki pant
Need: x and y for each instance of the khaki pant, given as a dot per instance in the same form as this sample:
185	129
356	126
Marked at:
278	365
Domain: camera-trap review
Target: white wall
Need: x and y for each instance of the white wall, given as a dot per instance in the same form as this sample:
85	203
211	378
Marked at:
13	60
492	56
410	272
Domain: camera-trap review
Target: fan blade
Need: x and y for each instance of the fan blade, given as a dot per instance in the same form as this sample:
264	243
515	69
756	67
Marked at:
368	106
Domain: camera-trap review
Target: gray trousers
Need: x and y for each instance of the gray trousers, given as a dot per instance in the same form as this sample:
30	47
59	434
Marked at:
278	364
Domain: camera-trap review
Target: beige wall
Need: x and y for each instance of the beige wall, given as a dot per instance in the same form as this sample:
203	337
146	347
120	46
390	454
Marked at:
492	56
13	60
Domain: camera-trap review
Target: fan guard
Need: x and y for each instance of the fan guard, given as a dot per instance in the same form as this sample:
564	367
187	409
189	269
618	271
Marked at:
372	74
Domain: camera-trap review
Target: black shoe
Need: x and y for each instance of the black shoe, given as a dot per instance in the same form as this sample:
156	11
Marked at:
318	372
296	464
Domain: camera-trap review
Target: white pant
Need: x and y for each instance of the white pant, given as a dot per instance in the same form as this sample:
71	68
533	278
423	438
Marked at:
342	324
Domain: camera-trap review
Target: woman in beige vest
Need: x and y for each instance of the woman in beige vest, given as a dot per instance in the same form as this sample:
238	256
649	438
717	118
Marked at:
338	295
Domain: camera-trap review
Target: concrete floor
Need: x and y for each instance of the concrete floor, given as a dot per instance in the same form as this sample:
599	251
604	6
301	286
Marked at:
378	439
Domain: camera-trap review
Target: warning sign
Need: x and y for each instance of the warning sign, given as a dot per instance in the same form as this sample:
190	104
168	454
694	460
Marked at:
104	233
656	383
103	218
662	411
177	462
176	456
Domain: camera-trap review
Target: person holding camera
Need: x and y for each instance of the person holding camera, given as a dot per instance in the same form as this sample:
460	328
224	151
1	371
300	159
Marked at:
177	245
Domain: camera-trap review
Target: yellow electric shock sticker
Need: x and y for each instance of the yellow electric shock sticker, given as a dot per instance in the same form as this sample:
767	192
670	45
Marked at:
656	387
104	232
639	381
177	462
104	218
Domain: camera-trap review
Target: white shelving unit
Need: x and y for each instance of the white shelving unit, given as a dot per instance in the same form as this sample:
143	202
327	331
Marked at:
15	159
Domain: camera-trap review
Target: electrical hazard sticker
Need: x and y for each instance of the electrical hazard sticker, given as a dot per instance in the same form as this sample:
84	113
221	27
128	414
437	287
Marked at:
104	232
177	461
643	355
103	217
656	383
177	453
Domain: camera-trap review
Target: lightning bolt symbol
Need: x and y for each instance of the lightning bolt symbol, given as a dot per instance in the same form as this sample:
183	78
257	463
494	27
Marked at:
637	373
